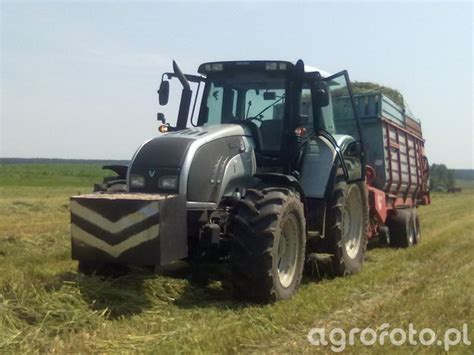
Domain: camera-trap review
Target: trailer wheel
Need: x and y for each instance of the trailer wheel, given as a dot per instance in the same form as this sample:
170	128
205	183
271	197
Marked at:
401	229
416	226
347	223
268	244
384	237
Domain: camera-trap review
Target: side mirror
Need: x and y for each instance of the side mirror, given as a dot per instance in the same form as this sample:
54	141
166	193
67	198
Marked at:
164	92
321	93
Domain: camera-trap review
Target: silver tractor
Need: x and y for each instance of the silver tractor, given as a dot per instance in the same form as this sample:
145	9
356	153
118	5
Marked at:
266	173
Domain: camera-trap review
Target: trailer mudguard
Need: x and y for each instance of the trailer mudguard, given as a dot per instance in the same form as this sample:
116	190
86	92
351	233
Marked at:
129	228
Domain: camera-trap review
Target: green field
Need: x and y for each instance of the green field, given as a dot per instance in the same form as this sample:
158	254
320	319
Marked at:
45	306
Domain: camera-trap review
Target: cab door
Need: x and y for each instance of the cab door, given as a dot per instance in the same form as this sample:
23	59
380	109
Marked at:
339	121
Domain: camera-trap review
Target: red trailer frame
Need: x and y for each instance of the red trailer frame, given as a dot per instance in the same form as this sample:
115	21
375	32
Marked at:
384	203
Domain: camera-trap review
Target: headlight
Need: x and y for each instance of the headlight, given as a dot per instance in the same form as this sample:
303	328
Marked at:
168	182
137	180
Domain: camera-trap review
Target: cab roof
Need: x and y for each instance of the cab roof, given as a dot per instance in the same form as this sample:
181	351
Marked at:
251	65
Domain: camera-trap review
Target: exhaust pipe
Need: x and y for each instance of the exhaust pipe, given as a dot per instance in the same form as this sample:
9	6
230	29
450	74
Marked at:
179	74
186	96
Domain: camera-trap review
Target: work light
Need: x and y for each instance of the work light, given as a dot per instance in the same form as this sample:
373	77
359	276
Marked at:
137	181
168	182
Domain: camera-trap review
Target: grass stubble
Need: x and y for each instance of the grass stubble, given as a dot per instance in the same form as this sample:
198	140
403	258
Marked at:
45	306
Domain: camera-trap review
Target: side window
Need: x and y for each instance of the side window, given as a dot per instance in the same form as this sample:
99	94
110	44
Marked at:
339	116
214	104
306	111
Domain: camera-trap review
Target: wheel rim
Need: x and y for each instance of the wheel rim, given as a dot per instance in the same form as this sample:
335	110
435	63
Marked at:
411	235
352	222
287	251
417	230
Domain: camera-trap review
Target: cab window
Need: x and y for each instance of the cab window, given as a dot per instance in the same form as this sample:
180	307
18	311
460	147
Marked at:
339	117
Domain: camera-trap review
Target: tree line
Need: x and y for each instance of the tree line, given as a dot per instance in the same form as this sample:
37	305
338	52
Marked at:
442	178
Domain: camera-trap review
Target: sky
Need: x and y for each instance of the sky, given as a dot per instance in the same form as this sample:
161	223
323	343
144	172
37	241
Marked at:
79	79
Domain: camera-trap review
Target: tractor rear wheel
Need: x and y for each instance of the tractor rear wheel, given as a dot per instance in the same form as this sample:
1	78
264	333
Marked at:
347	222
401	229
268	244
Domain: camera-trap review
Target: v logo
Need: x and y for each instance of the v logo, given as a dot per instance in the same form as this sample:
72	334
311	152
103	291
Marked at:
151	173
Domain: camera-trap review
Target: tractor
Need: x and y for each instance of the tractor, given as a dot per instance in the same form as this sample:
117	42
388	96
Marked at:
263	170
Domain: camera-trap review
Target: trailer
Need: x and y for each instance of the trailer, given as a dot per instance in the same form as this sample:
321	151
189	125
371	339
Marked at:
397	172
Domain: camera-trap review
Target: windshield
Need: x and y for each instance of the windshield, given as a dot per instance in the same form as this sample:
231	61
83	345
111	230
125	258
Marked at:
255	98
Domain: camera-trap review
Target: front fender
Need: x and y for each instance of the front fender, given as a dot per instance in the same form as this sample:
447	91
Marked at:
282	180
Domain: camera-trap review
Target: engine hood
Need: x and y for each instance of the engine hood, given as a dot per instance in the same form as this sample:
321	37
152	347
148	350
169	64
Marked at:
198	153
211	132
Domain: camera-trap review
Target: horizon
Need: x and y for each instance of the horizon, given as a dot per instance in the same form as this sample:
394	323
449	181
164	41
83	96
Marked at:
2	161
79	80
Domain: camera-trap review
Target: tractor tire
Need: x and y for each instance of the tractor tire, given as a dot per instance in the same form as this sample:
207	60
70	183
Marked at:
111	184
268	249
347	223
87	268
401	229
416	226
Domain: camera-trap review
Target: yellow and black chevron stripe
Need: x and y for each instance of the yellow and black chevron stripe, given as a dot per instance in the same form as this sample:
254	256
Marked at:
114	228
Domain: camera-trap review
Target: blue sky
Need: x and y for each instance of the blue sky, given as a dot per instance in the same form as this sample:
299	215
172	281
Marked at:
79	80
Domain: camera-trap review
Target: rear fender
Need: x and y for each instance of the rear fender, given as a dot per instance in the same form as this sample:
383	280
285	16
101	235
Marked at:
321	159
317	168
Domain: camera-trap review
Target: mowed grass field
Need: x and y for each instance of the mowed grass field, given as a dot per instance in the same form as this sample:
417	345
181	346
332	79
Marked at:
45	306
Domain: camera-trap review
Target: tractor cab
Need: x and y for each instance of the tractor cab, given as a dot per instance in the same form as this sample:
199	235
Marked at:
283	105
254	94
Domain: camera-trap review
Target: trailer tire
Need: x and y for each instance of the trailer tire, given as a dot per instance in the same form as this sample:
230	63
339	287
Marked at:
384	237
416	226
268	249
401	228
347	223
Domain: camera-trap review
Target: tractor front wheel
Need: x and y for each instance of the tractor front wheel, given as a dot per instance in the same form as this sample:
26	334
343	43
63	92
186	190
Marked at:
268	244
